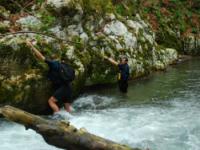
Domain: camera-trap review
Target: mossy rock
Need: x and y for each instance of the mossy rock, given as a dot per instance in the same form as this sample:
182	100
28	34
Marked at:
23	82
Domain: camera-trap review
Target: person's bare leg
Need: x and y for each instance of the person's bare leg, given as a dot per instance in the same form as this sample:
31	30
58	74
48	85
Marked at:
52	103
68	107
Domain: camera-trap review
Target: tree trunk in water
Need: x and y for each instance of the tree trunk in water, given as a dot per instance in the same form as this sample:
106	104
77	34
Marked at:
60	133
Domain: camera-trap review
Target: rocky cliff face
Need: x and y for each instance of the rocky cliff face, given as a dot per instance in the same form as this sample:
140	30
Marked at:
81	30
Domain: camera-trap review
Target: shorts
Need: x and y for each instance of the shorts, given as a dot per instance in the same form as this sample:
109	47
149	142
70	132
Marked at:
63	94
123	86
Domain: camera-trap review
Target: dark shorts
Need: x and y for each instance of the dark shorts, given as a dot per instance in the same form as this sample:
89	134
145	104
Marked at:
64	94
123	86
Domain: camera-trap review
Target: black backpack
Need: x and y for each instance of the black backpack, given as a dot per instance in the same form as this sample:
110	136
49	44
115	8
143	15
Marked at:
66	73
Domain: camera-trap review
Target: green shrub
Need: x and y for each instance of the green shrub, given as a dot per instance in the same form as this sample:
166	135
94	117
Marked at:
99	7
47	20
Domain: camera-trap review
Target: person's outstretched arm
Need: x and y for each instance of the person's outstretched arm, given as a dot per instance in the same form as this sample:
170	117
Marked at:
37	52
112	61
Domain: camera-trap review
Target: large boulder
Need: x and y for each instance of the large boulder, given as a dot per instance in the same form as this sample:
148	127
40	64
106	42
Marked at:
23	80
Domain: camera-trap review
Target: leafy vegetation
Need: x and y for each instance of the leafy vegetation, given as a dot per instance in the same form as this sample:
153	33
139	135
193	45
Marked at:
169	17
47	19
99	7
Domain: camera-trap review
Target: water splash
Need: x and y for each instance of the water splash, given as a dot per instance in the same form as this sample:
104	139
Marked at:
91	102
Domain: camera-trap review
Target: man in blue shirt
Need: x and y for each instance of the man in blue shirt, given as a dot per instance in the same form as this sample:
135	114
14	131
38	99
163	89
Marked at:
63	91
123	74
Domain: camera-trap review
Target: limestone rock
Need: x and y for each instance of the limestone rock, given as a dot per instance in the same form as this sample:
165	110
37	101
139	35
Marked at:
134	25
75	30
64	6
130	40
29	22
58	31
116	28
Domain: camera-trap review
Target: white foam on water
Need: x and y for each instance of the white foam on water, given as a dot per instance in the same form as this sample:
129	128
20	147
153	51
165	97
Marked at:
171	125
61	115
155	127
93	102
15	137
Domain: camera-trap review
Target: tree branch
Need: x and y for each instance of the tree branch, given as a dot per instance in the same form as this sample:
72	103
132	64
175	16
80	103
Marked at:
40	33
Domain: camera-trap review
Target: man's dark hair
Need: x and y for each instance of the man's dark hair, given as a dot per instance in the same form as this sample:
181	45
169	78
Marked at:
126	59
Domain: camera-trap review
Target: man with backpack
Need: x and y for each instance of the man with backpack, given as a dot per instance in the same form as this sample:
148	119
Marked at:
123	74
61	75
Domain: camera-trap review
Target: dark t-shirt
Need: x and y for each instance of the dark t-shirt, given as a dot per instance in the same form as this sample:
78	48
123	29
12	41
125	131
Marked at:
53	74
124	71
54	65
63	91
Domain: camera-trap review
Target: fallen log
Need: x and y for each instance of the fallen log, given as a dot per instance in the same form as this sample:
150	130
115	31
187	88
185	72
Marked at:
60	133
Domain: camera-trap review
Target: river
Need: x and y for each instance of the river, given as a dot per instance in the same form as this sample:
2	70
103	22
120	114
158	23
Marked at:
160	112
